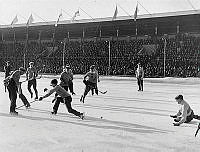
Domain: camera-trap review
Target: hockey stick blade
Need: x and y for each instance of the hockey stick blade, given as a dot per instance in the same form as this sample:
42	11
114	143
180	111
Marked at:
103	92
197	130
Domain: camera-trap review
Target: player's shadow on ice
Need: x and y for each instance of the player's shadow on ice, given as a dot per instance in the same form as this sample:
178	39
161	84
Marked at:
93	122
147	111
133	99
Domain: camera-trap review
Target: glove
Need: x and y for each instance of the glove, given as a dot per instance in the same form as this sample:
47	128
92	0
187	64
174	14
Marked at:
173	116
40	98
45	89
176	124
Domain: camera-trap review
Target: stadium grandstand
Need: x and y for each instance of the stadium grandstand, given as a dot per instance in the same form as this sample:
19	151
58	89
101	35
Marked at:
167	44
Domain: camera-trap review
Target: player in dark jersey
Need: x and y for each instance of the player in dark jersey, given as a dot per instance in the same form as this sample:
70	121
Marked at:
66	79
95	88
14	87
90	80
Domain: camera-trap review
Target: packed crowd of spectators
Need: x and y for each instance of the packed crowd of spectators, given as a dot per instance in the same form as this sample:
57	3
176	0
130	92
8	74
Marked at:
182	56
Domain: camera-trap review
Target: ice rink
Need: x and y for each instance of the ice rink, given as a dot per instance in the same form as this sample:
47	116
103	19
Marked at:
131	121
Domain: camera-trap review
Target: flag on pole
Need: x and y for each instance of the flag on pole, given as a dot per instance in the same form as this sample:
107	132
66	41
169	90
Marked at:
115	13
15	20
136	11
60	15
75	15
30	20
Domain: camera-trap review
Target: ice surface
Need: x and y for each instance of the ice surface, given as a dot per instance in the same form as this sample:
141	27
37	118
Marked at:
131	121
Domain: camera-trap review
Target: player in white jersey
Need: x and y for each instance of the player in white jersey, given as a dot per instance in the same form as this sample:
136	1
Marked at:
185	114
140	75
31	75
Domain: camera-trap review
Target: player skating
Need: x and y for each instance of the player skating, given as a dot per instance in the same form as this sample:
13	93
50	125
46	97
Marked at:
63	96
66	79
185	114
90	81
140	75
31	75
93	89
14	87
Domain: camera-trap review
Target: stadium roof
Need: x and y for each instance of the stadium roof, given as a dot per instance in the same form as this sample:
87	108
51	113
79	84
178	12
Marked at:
144	16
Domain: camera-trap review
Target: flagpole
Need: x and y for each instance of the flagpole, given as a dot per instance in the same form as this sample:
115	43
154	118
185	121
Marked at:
82	41
135	19
54	33
55	26
117	34
26	48
165	44
68	41
100	34
24	60
64	54
109	59
2	39
14	39
15	20
40	32
30	20
136	35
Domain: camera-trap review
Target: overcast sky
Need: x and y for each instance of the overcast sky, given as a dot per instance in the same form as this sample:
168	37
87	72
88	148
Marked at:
50	9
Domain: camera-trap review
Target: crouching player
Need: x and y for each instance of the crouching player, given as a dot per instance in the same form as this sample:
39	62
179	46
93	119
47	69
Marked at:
185	114
90	80
65	97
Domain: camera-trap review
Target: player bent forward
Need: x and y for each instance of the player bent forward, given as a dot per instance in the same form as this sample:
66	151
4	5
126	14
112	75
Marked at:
185	114
64	97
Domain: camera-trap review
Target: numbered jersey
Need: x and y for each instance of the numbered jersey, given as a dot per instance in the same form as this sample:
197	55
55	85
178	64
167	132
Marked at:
92	77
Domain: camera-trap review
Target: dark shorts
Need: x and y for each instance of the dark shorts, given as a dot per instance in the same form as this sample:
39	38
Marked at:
190	117
90	84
